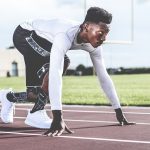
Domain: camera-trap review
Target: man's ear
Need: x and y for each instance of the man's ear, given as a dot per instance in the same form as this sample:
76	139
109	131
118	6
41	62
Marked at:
86	27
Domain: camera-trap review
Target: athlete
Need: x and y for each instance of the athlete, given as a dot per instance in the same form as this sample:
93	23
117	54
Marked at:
67	35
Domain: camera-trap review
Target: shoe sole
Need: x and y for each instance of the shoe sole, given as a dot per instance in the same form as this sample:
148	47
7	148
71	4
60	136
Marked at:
7	122
27	122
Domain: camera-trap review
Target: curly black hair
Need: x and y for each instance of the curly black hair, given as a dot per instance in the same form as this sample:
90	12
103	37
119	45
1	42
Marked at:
96	15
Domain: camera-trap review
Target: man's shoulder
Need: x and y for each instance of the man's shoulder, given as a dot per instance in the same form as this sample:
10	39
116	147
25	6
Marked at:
60	21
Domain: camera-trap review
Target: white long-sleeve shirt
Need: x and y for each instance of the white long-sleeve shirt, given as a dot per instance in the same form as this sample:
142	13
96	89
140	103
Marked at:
63	35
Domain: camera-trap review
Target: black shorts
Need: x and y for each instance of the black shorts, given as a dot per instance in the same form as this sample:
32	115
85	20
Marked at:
34	56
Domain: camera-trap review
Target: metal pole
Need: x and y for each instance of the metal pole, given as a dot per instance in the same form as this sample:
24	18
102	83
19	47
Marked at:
84	8
132	20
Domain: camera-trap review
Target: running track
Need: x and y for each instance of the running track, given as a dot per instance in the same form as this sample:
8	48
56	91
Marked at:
95	128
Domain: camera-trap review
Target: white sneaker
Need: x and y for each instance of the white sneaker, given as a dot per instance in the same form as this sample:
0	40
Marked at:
38	119
7	107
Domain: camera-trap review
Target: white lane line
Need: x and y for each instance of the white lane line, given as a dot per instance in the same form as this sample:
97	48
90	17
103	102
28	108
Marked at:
105	139
91	121
19	133
91	111
82	138
88	106
107	112
110	122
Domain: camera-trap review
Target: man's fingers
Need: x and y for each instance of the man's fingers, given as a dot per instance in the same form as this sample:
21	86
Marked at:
60	132
48	132
68	130
54	133
121	123
127	123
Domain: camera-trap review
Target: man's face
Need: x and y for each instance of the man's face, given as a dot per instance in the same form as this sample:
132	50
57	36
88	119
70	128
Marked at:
96	33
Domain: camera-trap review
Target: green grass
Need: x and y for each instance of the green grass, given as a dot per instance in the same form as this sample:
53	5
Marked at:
16	83
133	90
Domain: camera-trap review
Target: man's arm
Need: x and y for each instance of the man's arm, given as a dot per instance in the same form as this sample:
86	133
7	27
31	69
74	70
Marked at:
108	86
104	79
60	46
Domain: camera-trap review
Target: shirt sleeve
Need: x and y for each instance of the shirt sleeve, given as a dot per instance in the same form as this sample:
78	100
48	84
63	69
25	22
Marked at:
60	46
104	79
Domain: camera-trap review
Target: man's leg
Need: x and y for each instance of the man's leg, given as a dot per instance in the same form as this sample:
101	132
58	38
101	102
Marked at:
29	96
42	96
8	99
32	66
33	62
38	118
36	94
66	64
43	93
41	100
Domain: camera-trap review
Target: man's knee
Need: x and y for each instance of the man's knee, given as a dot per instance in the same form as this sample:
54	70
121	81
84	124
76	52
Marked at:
44	86
66	63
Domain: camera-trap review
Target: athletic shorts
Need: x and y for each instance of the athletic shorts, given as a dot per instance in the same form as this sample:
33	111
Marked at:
36	51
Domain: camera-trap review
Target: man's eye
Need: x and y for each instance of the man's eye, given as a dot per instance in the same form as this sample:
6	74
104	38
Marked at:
100	33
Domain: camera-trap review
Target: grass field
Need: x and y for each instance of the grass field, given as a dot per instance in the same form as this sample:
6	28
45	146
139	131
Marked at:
132	89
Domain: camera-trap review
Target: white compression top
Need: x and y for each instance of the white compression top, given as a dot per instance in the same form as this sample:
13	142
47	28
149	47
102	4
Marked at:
63	34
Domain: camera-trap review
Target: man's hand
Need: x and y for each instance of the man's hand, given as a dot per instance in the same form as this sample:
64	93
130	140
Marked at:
58	125
121	118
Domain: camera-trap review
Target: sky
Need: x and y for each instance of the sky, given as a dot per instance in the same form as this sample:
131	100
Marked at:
136	54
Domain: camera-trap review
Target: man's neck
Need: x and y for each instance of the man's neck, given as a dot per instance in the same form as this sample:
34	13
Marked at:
81	37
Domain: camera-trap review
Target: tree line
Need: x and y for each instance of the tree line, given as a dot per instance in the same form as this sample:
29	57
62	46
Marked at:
81	70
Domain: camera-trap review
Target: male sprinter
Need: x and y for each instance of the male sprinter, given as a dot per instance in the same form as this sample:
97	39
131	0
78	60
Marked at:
65	35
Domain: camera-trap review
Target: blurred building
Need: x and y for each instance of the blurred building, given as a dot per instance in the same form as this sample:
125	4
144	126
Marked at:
11	63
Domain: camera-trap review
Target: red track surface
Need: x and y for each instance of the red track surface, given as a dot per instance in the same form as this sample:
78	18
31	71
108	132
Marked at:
95	129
